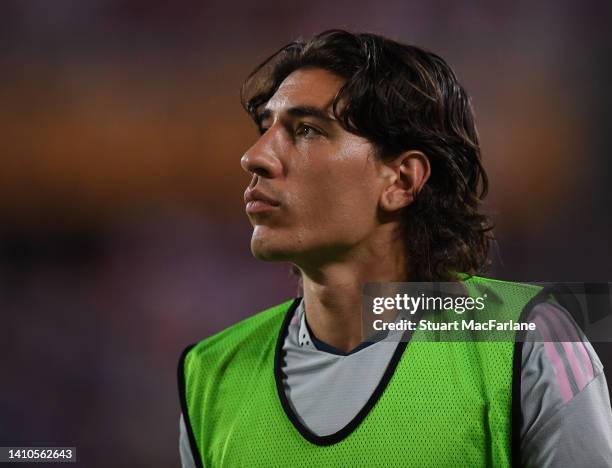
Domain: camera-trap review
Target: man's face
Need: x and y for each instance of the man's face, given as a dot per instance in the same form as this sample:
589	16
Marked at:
323	182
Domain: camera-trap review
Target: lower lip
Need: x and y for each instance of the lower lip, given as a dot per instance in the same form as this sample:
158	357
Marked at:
259	206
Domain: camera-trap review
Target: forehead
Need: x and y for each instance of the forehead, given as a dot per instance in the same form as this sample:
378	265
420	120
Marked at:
306	87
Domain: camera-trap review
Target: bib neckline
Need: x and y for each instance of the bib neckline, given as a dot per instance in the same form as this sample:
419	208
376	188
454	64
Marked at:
349	428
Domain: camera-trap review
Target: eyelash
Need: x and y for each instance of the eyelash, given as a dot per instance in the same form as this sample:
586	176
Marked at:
310	128
303	126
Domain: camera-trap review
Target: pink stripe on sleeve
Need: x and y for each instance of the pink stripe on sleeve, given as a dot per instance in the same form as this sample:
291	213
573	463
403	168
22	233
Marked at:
554	318
584	354
555	359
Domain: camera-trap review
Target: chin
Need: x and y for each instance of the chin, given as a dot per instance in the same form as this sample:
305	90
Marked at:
263	249
269	255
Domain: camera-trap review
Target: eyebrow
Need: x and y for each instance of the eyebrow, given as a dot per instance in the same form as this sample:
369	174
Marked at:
298	111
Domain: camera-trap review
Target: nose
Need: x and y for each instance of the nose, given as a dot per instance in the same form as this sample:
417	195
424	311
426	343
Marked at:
262	158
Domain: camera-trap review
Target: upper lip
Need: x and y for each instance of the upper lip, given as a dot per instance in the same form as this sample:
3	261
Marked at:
256	194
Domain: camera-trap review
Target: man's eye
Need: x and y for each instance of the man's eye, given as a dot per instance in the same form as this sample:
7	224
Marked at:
306	130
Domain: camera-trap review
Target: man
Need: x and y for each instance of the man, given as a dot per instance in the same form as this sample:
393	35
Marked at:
368	170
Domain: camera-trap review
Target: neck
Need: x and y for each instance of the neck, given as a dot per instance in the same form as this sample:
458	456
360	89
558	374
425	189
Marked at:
333	290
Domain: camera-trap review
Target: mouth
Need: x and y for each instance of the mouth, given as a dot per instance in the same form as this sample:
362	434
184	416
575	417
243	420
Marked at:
258	202
259	206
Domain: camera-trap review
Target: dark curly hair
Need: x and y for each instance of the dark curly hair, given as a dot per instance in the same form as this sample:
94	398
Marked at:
401	97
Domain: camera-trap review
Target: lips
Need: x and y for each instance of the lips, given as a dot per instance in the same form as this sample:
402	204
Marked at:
258	202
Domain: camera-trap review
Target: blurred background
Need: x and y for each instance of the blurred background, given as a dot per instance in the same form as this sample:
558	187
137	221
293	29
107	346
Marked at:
123	236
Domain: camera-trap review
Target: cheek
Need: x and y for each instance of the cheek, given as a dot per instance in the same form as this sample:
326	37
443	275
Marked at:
344	195
354	183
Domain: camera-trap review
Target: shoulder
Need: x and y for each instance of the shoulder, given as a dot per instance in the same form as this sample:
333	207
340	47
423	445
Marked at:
558	364
508	299
563	391
557	353
507	290
245	334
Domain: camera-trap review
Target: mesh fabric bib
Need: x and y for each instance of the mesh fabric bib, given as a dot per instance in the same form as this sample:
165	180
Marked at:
438	404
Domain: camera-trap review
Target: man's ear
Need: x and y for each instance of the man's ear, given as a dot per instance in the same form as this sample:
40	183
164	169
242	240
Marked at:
406	176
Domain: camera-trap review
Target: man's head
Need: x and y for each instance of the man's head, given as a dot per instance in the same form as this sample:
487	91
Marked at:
362	134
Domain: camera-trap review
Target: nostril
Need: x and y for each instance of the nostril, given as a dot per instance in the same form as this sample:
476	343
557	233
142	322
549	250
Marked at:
261	172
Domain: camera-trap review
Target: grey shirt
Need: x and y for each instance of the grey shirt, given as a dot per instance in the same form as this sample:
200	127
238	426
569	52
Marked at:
567	419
